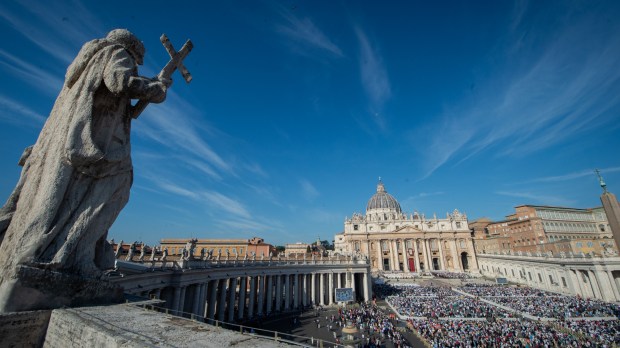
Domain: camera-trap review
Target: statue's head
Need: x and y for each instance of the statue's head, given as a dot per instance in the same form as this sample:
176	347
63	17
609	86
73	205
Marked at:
131	43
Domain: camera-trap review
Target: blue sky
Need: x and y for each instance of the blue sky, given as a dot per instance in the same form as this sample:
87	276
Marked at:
298	107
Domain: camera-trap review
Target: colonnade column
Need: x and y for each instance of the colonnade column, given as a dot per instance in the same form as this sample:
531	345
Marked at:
221	303
261	295
212	298
278	292
296	291
176	299
196	302
313	289
232	290
202	307
330	291
442	262
322	289
304	290
252	295
366	290
287	292
269	299
242	291
416	256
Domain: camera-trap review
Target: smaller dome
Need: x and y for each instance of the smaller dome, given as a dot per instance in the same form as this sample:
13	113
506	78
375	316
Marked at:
382	201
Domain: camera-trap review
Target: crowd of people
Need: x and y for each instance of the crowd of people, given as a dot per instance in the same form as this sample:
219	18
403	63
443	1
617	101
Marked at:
492	290
600	332
451	275
557	306
375	326
498	333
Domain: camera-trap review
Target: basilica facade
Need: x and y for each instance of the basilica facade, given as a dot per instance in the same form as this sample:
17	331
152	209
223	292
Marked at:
395	241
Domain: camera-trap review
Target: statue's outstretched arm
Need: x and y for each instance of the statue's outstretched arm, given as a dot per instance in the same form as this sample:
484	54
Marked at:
120	77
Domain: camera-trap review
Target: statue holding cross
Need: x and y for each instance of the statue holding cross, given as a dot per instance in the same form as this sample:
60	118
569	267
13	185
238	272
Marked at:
76	178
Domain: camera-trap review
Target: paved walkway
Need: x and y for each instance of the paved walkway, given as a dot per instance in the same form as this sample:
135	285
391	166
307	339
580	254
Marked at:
304	325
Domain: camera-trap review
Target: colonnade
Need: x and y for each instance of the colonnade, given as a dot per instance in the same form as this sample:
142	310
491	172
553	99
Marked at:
247	295
597	278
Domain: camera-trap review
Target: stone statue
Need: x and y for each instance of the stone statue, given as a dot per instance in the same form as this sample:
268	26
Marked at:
203	251
119	250
164	255
142	252
76	178
153	253
132	251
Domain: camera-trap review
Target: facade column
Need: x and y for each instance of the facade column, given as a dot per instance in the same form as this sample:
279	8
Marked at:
242	292
595	286
442	261
366	290
429	255
232	293
287	292
252	295
212	298
394	255
278	292
196	301
379	255
269	299
261	295
338	280
221	303
313	289
606	294
405	256
157	294
456	256
614	285
416	256
368	249
321	289
472	252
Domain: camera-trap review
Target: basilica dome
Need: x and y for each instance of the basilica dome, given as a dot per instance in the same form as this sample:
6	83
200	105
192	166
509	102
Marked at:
382	202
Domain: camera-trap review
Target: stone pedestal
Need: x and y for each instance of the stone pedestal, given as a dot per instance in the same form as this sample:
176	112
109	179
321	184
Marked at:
37	289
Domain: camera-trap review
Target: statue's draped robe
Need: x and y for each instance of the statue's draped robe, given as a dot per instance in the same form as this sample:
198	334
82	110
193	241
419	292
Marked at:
78	176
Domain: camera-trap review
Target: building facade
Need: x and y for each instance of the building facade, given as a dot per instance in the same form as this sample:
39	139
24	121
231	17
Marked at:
548	229
395	241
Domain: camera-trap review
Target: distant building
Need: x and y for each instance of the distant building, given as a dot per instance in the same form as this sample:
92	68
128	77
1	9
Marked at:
534	228
241	247
298	248
395	241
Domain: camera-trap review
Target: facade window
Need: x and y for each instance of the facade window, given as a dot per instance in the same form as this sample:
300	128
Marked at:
579	245
462	243
550	279
384	245
355	227
357	246
590	244
434	244
601	227
529	275
564	282
408	244
241	251
539	278
458	224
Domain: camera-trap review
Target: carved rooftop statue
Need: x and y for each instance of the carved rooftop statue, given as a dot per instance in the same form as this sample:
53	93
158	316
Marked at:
76	179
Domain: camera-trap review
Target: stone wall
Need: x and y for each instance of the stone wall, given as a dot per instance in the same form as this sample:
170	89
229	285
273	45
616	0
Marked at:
23	329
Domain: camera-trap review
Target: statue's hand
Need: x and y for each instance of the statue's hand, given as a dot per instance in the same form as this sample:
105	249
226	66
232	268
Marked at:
166	81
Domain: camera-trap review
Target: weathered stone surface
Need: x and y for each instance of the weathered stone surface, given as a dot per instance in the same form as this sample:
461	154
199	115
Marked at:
23	329
129	326
77	176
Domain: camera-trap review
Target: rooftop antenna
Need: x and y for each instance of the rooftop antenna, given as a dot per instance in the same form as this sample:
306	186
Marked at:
600	180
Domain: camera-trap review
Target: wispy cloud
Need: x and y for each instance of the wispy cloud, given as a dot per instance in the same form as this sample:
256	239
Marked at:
12	111
568	86
56	35
37	77
572	176
537	198
374	78
308	191
304	35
